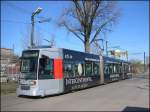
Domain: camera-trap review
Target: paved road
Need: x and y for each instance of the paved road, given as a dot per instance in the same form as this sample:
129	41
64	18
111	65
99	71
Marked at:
119	96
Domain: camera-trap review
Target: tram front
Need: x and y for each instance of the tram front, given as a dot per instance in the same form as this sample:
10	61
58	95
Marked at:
40	73
27	84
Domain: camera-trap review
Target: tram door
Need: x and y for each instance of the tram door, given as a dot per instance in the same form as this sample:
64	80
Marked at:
50	80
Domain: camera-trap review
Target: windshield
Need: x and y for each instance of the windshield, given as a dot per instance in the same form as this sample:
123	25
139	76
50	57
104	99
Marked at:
29	64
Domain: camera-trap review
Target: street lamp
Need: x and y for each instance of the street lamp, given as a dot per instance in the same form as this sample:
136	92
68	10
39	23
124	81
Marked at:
37	11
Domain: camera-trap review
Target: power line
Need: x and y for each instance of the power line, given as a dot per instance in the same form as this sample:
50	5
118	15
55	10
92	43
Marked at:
22	10
14	21
136	53
19	9
44	30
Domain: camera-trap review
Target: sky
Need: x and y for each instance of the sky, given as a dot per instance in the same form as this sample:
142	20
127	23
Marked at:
131	32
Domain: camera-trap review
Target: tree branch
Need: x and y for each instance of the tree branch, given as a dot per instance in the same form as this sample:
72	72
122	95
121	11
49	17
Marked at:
100	28
94	12
79	12
73	31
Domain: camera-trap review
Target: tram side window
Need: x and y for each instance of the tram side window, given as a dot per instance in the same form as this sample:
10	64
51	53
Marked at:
68	70
124	68
111	69
46	68
120	68
75	70
106	69
95	68
129	68
88	68
114	70
117	68
78	69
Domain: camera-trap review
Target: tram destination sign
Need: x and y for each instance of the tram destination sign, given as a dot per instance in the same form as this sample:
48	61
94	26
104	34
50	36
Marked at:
29	54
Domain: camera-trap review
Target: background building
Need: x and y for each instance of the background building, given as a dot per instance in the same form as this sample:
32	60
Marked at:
9	64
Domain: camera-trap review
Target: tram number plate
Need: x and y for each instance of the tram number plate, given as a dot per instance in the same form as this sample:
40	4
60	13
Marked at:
25	87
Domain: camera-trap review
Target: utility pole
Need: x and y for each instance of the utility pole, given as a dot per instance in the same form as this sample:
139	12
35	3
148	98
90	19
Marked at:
38	10
144	62
32	30
106	48
127	55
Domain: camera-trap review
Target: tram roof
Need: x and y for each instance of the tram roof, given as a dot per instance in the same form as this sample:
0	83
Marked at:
49	47
44	47
114	59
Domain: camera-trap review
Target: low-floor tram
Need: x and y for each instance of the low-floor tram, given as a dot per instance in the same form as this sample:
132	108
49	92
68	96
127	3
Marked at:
47	71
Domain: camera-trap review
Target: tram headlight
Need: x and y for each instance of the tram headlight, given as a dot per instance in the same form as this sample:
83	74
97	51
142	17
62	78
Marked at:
32	82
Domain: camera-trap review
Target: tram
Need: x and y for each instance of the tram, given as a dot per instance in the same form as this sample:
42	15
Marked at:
47	71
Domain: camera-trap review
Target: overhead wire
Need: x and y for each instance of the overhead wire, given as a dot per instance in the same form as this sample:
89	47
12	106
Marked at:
17	8
14	21
43	30
22	10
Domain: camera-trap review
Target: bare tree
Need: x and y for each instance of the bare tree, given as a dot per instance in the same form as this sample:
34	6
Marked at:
86	19
137	66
